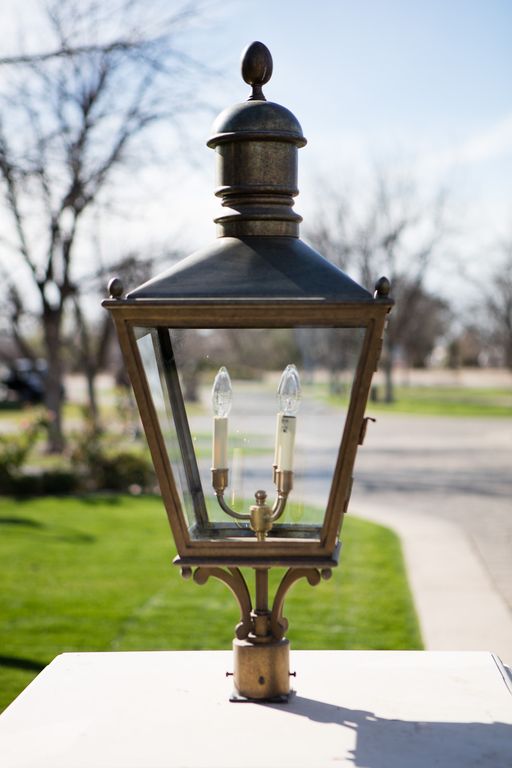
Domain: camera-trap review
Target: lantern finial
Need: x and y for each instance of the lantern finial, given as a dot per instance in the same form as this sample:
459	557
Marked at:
382	288
256	69
115	288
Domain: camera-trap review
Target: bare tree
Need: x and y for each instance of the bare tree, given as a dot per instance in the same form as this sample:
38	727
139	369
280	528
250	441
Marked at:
389	231
498	303
91	336
72	116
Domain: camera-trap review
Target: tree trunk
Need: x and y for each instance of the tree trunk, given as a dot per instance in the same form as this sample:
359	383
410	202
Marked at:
387	365
508	355
54	385
93	360
90	377
508	340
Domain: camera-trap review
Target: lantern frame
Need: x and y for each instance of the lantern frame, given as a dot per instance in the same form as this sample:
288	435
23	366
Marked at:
370	315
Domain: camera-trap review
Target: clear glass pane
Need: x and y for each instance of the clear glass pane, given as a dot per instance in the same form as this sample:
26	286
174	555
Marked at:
150	352
255	359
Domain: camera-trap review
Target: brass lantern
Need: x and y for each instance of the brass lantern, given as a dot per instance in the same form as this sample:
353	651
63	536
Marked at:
255	302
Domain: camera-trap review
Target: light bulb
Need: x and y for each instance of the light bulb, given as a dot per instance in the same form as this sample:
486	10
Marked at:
288	392
222	393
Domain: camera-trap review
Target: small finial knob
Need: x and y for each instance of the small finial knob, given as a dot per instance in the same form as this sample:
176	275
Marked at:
261	497
115	288
382	288
256	69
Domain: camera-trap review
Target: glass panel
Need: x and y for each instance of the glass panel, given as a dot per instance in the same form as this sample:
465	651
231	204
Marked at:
168	409
325	359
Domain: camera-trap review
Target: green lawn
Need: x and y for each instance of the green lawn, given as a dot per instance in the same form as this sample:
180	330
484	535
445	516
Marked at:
95	574
466	402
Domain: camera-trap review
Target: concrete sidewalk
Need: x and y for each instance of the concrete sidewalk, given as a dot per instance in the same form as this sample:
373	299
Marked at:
457	604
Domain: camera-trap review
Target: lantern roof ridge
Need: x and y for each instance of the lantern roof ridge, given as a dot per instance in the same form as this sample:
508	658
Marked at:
253	267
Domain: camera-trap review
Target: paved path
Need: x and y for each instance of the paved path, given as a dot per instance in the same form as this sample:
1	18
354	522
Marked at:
445	485
456	601
456	469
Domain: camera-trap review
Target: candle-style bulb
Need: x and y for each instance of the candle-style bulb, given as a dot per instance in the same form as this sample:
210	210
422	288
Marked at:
222	393
289	392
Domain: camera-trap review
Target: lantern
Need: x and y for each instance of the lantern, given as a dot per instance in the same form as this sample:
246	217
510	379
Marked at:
227	352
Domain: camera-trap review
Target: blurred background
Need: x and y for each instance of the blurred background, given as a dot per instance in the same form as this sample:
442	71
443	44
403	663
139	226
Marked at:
105	109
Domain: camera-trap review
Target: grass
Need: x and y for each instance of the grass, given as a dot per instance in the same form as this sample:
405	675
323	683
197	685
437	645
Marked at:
95	574
468	402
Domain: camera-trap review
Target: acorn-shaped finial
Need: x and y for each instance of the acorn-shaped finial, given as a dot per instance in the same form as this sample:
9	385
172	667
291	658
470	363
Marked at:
256	69
382	288
115	288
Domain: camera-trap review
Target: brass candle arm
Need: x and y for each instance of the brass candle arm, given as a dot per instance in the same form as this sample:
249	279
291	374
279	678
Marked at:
227	509
284	482
261	517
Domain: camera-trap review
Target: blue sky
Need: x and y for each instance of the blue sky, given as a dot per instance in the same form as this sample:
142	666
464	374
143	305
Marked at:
429	68
422	85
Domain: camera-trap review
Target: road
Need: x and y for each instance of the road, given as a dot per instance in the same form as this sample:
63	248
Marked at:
453	468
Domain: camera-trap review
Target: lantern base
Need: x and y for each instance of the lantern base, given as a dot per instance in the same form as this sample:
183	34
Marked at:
261	670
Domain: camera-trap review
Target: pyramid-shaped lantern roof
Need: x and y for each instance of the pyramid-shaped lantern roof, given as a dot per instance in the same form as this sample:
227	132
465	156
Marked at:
258	252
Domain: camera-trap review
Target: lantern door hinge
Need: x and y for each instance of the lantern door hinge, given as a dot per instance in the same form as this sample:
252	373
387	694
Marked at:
364	427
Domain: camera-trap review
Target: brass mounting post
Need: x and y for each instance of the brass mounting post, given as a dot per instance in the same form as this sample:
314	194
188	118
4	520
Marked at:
261	651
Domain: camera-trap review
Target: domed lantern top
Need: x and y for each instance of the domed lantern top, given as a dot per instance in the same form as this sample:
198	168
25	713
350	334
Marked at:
258	252
264	119
256	143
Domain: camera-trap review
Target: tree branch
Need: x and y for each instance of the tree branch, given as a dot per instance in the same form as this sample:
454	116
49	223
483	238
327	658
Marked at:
8	172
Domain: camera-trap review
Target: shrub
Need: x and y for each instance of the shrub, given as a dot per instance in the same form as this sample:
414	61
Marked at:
55	482
16	448
124	470
101	466
93	463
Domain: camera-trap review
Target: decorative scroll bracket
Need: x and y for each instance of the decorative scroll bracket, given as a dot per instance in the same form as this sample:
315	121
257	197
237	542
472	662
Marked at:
234	580
278	623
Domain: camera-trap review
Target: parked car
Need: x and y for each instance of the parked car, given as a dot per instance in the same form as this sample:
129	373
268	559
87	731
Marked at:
25	381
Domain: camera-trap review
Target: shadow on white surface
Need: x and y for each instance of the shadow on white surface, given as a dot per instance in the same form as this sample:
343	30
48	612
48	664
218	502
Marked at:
382	742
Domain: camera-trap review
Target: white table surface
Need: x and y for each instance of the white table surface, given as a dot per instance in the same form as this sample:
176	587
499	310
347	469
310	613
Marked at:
376	709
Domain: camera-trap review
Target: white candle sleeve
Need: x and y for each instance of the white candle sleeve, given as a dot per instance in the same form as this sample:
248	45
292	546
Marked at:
286	442
279	419
220	443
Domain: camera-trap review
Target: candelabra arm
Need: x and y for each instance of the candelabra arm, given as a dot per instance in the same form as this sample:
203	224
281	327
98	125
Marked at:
284	481
220	478
227	509
261	516
279	507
